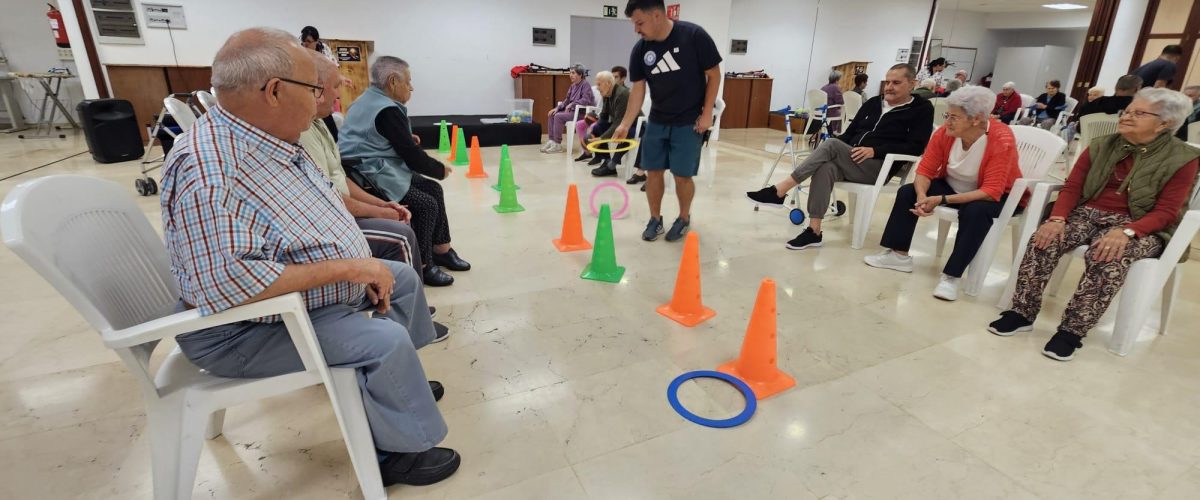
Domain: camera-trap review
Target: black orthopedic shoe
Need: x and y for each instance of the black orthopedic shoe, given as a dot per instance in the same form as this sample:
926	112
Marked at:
450	260
437	389
435	276
420	468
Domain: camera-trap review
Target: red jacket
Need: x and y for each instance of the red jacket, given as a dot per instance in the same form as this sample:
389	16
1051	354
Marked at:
1008	107
1000	167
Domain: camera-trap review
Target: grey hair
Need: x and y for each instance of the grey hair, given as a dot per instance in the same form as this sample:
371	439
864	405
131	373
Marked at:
962	72
605	76
834	76
1009	85
952	85
1173	106
1099	89
325	67
242	64
929	83
383	68
580	69
974	101
1129	82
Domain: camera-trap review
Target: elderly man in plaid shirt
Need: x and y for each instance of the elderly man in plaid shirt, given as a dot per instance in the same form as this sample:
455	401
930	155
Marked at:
248	216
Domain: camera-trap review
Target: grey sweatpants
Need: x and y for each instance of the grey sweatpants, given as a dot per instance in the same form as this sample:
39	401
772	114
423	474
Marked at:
390	240
828	164
399	405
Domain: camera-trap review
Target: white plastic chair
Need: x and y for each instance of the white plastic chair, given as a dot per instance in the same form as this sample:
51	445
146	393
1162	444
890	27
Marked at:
1038	150
206	99
1064	116
718	109
579	113
1193	132
939	111
179	110
637	134
1091	127
864	196
817	98
1146	279
854	103
88	238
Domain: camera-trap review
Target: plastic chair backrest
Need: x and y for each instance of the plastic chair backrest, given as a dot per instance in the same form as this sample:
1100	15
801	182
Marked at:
1039	149
1193	132
1095	125
1027	100
88	238
817	98
1072	103
180	111
853	103
206	99
718	106
940	106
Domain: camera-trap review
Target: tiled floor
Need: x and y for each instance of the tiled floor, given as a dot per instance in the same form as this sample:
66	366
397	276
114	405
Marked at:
556	386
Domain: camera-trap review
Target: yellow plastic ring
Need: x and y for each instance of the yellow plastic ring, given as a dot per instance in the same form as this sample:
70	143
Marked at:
629	145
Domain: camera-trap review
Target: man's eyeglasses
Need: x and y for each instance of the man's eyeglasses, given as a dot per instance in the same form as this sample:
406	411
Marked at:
317	90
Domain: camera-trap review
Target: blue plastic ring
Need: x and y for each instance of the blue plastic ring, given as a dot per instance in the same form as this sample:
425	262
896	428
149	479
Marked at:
751	401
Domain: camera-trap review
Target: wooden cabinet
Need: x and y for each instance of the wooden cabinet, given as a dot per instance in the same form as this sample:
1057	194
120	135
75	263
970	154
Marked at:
146	86
850	69
747	103
546	90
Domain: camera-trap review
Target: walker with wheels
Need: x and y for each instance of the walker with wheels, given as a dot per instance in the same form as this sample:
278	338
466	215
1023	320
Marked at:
796	215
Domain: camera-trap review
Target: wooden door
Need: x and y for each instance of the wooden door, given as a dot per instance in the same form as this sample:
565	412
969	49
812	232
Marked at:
1169	22
353	57
1094	47
144	87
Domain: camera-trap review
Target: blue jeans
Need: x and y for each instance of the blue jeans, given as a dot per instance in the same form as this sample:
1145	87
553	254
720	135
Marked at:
399	405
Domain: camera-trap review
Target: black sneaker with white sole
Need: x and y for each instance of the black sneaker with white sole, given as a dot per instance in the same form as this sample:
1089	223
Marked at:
807	239
767	197
1062	346
440	332
654	229
1009	324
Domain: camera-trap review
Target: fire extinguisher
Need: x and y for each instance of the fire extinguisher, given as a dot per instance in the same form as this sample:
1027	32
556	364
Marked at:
57	27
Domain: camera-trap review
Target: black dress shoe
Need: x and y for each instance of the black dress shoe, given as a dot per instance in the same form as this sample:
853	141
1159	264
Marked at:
440	332
597	159
606	170
419	469
438	390
435	276
636	179
450	260
585	156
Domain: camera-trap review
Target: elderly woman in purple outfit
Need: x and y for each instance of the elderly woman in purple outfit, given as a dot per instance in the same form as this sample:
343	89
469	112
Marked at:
579	94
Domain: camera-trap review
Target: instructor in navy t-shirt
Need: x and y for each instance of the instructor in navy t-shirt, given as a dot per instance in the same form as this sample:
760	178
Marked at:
681	64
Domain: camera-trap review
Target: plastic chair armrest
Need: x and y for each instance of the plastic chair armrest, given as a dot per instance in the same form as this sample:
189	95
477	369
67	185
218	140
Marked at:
190	321
1183	236
890	160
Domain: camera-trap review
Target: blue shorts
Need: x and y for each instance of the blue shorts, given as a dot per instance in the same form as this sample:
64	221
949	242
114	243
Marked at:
674	147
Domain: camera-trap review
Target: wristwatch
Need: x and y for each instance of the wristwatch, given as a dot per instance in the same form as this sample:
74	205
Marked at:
1129	232
944	200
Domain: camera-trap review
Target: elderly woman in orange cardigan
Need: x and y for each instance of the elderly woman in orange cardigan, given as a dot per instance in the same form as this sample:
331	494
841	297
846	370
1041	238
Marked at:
970	164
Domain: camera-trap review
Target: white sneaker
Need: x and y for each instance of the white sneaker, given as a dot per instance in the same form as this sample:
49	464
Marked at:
546	147
555	148
888	259
947	288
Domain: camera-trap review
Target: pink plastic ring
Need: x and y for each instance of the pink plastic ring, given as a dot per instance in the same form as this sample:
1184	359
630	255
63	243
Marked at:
624	195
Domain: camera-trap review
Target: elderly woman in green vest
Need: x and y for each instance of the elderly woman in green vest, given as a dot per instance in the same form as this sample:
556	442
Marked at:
1123	200
377	139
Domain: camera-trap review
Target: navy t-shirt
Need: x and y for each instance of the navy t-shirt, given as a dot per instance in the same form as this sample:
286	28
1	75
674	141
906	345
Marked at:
674	70
1158	69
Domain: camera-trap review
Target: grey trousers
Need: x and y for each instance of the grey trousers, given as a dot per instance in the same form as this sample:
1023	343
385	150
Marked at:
399	405
828	164
391	240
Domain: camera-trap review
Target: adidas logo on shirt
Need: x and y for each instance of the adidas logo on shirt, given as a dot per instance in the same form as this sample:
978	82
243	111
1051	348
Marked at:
667	64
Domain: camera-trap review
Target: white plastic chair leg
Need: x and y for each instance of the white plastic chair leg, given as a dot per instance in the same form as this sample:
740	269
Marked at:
1170	291
176	438
570	142
863	206
1134	307
348	407
943	233
216	424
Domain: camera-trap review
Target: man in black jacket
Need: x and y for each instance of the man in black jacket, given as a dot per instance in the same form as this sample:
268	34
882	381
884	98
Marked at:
896	122
1127	86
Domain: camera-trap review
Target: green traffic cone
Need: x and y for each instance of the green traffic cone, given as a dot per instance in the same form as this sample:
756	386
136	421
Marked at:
508	193
604	254
460	155
505	165
443	140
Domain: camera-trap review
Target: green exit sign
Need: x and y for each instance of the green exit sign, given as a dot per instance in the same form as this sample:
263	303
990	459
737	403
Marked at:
610	11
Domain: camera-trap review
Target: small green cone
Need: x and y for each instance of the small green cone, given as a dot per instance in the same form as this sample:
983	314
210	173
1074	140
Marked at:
604	254
505	165
443	139
460	156
508	191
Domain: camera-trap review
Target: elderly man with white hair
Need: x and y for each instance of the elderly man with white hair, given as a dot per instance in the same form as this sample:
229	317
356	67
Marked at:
970	164
1123	199
248	216
926	89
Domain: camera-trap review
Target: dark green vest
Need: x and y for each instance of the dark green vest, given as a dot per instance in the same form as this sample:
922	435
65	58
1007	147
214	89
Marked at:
1153	166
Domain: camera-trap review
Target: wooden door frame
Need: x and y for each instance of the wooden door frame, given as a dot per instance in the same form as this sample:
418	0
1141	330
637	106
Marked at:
1095	46
89	46
1188	39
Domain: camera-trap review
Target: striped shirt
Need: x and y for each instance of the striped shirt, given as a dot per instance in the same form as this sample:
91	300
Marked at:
238	205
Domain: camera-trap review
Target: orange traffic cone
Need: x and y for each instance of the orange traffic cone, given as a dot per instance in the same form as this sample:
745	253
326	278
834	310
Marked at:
476	170
756	365
685	306
453	143
572	228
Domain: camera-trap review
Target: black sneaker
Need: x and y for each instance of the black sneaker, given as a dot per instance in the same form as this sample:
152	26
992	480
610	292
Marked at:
1009	324
766	196
1062	346
440	332
584	157
605	170
438	391
678	229
654	228
419	469
596	160
432	312
807	239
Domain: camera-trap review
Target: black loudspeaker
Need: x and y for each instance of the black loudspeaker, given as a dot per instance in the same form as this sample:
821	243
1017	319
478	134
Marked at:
111	130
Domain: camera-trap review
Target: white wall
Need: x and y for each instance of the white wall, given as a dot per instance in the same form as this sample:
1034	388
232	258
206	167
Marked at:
1071	38
461	52
1126	27
600	44
969	30
29	46
1049	19
781	35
